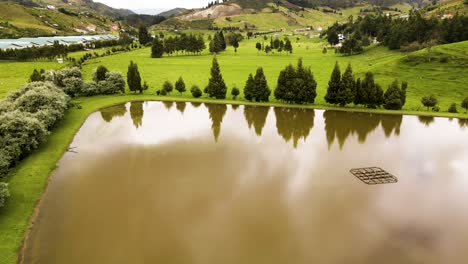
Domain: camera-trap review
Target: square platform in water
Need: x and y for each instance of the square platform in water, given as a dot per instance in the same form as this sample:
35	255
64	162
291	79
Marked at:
374	175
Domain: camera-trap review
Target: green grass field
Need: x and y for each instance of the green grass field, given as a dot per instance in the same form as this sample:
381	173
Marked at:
447	81
28	180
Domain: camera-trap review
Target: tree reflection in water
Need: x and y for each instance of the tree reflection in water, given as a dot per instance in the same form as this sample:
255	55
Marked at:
136	112
114	111
256	116
294	123
217	112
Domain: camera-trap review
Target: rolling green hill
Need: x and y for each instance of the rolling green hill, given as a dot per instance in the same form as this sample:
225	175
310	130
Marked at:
35	18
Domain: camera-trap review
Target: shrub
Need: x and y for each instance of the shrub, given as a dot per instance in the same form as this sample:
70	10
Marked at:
453	108
180	85
4	194
235	92
46	101
112	84
168	87
90	89
429	101
464	104
72	86
196	91
100	74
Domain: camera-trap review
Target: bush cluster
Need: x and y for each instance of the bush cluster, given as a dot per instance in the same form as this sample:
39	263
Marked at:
26	117
71	82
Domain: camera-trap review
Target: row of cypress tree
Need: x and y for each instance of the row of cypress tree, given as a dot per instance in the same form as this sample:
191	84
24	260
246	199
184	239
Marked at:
297	85
345	89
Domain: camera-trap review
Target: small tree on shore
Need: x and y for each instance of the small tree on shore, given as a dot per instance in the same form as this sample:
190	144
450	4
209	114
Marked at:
196	91
262	91
134	78
235	92
464	104
168	87
216	86
180	85
453	108
249	89
429	101
394	97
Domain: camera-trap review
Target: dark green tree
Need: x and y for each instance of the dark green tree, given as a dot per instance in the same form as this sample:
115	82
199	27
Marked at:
393	97
100	74
296	85
262	91
333	85
180	85
143	35
359	93
429	101
235	92
235	44
157	49
36	76
258	46
216	86
134	78
288	46
464	104
168	87
453	108
196	91
373	93
346	90
249	89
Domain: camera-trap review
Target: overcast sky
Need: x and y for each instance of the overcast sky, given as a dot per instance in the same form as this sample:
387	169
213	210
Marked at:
155	5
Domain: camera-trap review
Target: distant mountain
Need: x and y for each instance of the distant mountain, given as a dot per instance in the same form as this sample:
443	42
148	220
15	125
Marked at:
173	12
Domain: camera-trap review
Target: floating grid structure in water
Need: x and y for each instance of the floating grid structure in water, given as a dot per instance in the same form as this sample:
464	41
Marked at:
374	175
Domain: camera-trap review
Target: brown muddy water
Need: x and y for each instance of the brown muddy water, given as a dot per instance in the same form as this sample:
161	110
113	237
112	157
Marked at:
154	182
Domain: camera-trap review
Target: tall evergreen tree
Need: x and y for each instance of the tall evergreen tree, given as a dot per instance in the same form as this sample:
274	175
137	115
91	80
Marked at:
216	86
222	40
373	93
134	78
333	85
346	91
358	95
296	85
157	49
249	89
180	85
306	84
143	35
262	91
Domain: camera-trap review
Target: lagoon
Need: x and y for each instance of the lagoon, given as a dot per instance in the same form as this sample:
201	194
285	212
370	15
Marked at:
154	182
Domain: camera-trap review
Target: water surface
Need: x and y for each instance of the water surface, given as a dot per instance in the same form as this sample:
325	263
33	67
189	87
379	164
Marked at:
182	183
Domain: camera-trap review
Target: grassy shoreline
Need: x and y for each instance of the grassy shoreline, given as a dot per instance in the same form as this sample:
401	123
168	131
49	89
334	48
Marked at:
29	179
